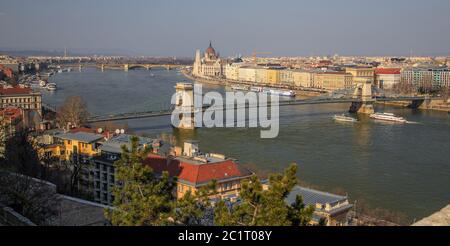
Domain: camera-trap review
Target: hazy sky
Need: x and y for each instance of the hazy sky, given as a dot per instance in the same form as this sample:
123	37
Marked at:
178	27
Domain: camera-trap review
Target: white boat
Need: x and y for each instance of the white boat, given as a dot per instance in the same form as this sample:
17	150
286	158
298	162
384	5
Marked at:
60	70
388	117
344	118
286	93
256	89
239	88
51	86
42	83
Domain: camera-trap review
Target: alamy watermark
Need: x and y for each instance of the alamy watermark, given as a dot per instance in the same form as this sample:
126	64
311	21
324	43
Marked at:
195	110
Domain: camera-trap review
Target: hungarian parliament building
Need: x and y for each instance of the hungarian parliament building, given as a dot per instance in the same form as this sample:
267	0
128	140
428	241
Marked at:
208	65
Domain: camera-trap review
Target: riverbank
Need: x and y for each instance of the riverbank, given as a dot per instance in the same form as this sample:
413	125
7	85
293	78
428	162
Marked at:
227	82
433	105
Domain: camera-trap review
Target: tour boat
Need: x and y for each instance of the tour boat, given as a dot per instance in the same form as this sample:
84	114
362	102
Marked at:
344	118
286	93
388	117
256	89
239	88
42	83
51	86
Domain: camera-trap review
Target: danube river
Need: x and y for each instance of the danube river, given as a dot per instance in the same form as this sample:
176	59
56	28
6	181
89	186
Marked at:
401	168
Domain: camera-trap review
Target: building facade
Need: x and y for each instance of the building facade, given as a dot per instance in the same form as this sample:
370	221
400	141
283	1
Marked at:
195	170
210	65
434	78
102	172
387	78
22	97
332	80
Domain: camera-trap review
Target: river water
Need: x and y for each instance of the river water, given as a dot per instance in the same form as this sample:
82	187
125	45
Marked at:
401	168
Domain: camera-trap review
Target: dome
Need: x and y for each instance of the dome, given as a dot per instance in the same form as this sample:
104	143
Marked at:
210	49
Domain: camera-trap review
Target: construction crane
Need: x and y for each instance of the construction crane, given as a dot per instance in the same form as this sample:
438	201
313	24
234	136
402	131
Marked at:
255	61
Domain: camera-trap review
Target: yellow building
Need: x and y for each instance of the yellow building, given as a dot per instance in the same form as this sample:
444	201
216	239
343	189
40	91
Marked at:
333	80
80	144
273	76
247	74
286	77
261	75
303	78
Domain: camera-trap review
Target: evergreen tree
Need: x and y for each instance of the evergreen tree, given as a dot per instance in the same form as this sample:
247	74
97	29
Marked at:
259	207
140	196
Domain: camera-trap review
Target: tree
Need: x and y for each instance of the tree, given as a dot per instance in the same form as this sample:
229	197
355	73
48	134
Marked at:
259	207
74	112
140	197
196	209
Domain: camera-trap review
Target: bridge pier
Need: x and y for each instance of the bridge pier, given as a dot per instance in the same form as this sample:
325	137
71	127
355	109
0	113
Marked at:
125	67
362	107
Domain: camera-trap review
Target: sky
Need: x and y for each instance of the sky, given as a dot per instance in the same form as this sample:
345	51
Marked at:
178	27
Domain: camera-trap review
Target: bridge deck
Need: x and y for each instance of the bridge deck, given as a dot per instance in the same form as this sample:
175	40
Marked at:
166	112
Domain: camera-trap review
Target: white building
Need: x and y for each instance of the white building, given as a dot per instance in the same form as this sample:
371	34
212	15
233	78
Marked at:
210	65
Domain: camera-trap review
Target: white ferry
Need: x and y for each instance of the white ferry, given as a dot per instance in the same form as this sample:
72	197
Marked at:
388	117
256	89
344	118
239	88
286	93
51	86
42	83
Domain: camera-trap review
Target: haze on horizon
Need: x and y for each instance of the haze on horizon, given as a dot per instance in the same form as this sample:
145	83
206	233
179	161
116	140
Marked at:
177	28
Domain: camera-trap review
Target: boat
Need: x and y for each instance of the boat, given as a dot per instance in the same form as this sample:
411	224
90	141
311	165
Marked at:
51	87
239	88
256	89
388	117
42	83
344	118
286	93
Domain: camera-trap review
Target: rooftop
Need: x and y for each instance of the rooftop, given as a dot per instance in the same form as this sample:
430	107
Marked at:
14	90
312	197
195	173
114	144
81	136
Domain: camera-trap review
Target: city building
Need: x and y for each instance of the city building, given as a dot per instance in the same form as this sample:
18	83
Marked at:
102	173
11	121
194	170
22	97
434	78
247	74
332	80
79	145
330	208
210	65
286	77
6	72
303	78
386	78
9	62
232	71
261	75
273	75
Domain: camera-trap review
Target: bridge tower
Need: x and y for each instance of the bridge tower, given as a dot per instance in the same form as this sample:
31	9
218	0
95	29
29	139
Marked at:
363	92
184	105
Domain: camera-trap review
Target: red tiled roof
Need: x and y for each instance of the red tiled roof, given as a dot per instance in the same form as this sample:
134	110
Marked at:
14	90
11	113
387	70
196	173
